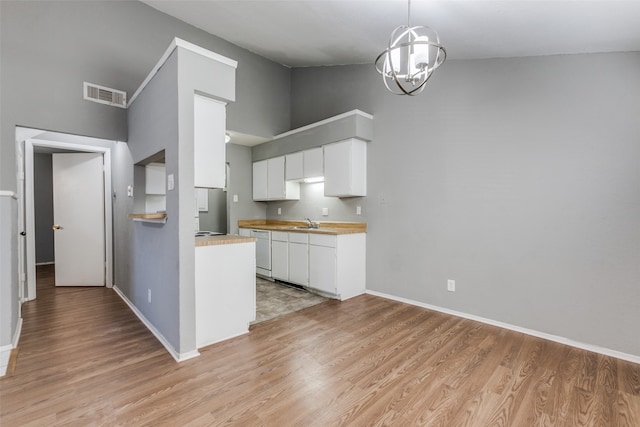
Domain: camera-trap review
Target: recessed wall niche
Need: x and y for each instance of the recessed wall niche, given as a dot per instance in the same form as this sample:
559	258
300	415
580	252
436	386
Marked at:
150	184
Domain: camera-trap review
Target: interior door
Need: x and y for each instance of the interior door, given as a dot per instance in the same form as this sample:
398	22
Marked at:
78	212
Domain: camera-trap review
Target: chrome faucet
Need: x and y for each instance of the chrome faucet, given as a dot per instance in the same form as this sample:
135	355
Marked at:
311	224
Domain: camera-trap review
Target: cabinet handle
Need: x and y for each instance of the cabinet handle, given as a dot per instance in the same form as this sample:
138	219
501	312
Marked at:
56	227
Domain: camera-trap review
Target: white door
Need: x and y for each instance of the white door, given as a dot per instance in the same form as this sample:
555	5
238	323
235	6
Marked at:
78	214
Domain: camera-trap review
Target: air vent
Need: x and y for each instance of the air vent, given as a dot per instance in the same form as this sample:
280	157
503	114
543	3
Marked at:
105	95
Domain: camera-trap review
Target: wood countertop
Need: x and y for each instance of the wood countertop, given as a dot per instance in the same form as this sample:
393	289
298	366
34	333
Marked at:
326	227
222	239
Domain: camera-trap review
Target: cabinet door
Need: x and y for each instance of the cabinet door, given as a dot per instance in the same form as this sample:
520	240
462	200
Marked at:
294	166
260	180
209	121
313	163
275	178
322	268
299	258
154	177
345	168
280	260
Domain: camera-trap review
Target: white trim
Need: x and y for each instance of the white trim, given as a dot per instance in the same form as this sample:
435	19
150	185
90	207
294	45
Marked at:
325	121
30	209
179	357
45	263
205	52
562	340
176	42
5	350
16	334
11	194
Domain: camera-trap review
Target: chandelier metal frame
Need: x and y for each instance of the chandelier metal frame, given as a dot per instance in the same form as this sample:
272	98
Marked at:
401	76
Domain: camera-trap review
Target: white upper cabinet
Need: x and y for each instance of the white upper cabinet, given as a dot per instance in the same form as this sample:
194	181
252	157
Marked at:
208	140
294	166
260	180
275	178
305	164
269	181
313	161
345	168
154	178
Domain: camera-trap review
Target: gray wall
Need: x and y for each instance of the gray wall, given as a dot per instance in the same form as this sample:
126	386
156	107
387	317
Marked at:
114	44
154	251
241	184
310	205
518	178
215	217
9	304
47	49
43	206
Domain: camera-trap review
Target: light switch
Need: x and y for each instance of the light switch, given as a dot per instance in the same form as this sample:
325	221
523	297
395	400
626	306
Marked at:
130	191
170	183
235	198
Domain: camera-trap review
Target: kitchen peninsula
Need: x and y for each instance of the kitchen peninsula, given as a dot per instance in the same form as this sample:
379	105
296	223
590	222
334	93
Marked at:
225	287
328	258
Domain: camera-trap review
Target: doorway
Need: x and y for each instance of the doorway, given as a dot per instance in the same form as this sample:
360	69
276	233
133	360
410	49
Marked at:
26	204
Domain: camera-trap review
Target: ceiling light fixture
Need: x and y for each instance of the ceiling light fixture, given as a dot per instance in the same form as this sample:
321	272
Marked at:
412	56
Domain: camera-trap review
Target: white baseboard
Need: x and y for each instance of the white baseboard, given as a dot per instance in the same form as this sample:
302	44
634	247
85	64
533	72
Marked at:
179	357
543	335
5	350
16	334
16	338
45	263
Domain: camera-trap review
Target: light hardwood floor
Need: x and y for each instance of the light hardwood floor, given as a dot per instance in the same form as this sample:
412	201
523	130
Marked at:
84	359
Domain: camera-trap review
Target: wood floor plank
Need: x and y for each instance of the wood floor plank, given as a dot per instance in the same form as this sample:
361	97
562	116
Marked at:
85	359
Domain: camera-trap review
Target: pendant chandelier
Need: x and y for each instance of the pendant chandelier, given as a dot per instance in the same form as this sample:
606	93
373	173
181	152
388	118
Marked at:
412	56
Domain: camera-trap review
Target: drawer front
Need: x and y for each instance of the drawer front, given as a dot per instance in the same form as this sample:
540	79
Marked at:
328	240
260	234
299	237
280	236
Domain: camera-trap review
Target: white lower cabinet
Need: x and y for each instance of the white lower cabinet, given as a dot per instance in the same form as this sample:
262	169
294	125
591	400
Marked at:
322	268
299	258
280	255
337	264
332	264
290	257
225	291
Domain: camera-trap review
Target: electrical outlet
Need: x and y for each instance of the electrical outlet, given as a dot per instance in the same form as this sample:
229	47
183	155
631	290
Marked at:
149	295
358	210
235	198
170	182
130	191
325	211
279	211
451	285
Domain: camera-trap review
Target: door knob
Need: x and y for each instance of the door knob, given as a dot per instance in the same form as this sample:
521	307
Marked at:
56	227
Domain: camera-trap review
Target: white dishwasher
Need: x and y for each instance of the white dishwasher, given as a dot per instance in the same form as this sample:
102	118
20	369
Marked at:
263	252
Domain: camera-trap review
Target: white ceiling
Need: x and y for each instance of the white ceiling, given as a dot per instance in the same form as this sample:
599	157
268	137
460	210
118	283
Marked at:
329	32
